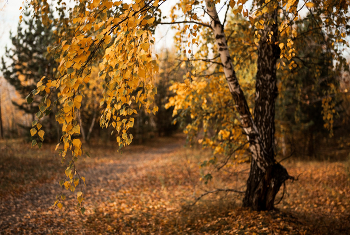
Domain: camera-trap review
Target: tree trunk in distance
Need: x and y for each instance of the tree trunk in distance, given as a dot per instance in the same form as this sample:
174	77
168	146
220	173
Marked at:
1	126
81	127
91	128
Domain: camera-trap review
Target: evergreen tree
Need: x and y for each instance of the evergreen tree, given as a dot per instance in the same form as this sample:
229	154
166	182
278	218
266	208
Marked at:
28	63
304	88
169	73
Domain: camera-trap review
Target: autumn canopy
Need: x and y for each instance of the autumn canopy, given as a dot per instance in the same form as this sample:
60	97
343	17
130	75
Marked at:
118	37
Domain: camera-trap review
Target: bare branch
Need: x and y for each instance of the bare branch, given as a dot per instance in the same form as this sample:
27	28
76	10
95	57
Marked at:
228	7
187	22
229	157
214	191
204	60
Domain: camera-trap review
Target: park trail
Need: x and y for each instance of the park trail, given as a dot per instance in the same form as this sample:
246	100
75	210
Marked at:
33	213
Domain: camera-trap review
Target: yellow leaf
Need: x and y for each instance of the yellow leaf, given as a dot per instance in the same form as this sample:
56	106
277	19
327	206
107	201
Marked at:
33	131
76	182
155	4
59	205
66	145
77	143
76	129
86	79
41	134
96	3
78	98
66	109
150	21
48	103
69	174
80	197
65	47
38	126
232	3
77	104
310	4
57	146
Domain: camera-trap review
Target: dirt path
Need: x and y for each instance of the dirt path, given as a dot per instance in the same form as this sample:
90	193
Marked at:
32	212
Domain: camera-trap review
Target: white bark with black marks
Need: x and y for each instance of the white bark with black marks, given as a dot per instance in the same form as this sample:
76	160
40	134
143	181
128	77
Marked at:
266	176
238	96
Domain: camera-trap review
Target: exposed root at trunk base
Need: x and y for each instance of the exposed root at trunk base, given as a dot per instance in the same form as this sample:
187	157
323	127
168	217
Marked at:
262	187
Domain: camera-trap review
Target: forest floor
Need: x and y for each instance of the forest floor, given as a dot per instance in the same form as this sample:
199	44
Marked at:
152	189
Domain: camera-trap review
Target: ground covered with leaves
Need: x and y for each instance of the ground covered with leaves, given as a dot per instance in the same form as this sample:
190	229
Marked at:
153	189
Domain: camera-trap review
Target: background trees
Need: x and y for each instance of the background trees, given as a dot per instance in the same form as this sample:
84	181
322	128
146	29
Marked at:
28	64
304	89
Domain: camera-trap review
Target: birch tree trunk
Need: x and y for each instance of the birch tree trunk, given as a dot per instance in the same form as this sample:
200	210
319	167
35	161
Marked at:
266	176
91	127
81	127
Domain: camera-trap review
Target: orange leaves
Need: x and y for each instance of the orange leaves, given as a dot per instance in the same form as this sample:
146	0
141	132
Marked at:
33	131
128	69
41	134
77	101
95	4
310	4
77	143
80	197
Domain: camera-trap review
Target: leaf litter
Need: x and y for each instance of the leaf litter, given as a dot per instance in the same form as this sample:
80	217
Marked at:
150	189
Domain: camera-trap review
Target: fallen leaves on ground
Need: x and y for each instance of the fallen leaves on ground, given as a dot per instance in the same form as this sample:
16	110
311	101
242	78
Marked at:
151	189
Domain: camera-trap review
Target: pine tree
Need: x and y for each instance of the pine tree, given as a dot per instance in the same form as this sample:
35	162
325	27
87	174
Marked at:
28	63
305	86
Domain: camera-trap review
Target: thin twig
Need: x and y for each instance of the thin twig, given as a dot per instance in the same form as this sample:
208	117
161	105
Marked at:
287	156
214	191
284	189
187	22
228	7
233	151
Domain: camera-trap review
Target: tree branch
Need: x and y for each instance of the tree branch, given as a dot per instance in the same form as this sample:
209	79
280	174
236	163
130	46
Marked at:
229	157
214	191
204	60
187	22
